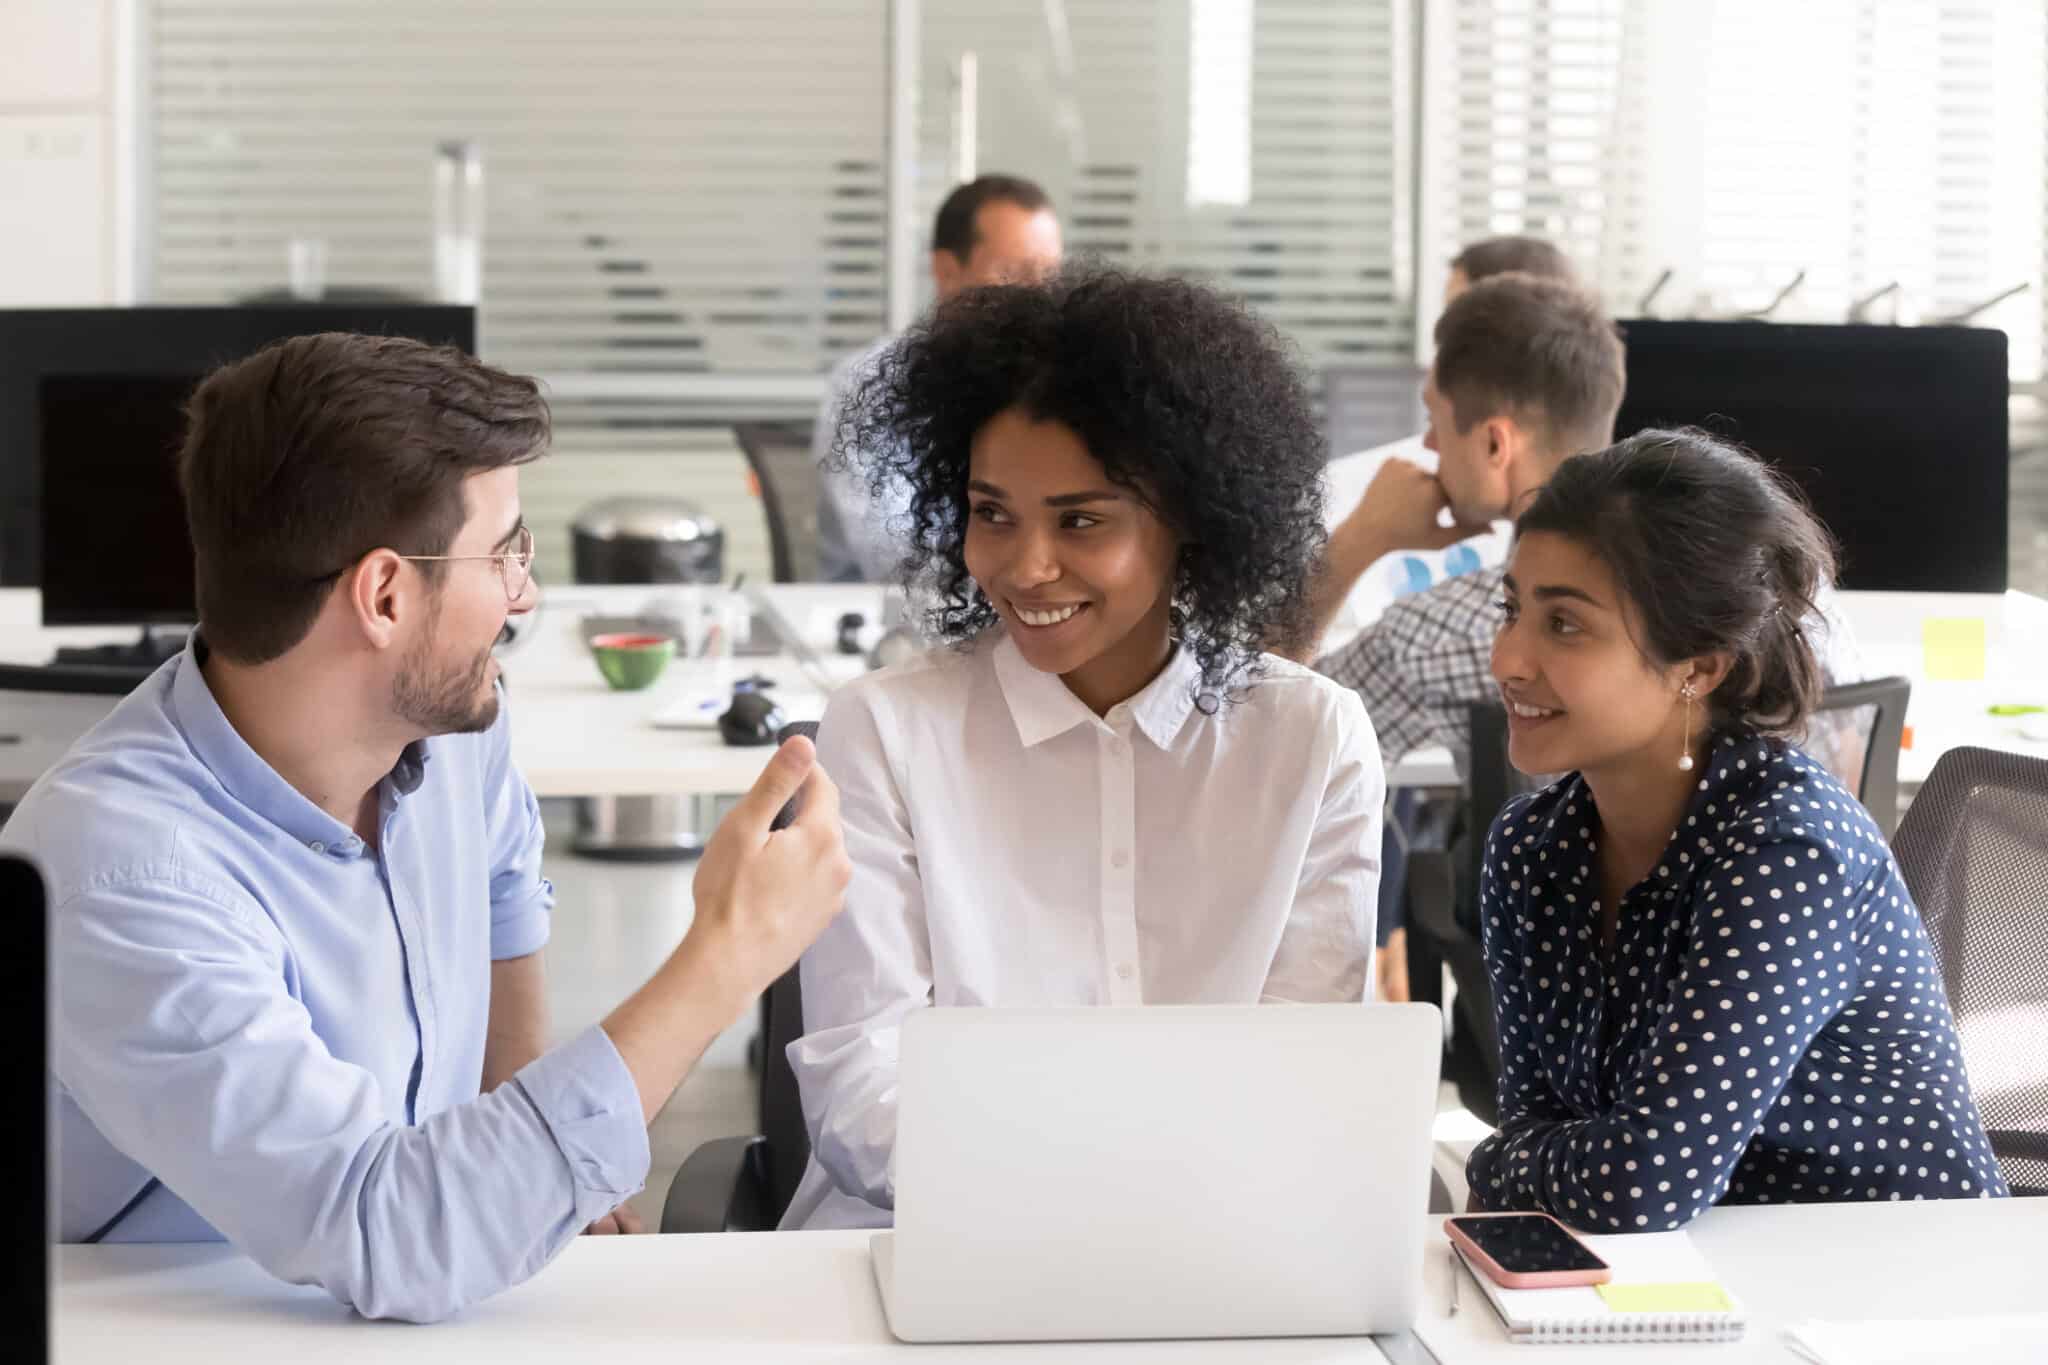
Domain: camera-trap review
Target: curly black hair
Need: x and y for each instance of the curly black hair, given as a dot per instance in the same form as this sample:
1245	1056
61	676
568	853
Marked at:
1188	400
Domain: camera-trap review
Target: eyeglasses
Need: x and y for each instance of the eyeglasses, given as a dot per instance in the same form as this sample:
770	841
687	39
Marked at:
515	565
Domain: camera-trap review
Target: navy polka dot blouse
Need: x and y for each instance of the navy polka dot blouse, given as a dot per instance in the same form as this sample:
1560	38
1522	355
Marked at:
1770	1027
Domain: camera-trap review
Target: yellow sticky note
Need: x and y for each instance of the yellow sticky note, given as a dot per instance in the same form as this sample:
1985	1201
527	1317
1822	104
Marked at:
1955	648
1702	1297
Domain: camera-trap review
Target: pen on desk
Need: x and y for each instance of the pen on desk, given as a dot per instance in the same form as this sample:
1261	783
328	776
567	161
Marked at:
1452	1311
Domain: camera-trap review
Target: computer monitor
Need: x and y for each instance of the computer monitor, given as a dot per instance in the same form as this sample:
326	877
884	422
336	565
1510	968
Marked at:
90	411
25	1208
115	547
1899	436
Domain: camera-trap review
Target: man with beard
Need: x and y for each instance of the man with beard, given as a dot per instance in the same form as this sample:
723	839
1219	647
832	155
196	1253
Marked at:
296	900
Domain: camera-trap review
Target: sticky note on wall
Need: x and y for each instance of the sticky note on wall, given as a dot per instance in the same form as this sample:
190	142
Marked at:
1954	646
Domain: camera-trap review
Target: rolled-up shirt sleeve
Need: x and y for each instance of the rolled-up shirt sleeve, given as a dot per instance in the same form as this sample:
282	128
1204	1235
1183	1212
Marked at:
521	898
870	968
1325	952
178	1035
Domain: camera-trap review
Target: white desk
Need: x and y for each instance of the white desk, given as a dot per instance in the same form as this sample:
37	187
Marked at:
1793	1263
1889	630
785	1297
1943	715
571	734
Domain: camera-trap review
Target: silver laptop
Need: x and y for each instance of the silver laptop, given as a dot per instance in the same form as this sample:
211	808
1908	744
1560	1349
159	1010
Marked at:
1167	1171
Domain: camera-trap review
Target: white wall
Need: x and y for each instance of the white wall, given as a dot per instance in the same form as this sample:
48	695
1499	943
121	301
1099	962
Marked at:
62	149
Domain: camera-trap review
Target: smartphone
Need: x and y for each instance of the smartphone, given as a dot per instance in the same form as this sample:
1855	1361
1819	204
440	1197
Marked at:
1525	1250
786	817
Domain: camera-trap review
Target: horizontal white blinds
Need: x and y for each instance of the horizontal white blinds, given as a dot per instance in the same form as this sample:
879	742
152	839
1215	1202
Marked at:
1881	152
670	187
1099	100
1745	144
1524	111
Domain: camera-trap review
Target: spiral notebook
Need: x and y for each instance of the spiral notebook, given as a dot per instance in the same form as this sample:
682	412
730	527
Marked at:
1663	1290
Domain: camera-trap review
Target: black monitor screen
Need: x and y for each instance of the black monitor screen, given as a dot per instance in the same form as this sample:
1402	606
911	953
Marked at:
1898	435
115	547
50	358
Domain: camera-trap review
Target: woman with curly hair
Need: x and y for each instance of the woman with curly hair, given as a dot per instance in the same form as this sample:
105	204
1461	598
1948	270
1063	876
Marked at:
1099	791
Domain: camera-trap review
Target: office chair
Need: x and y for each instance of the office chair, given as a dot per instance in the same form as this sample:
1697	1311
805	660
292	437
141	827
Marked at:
24	996
1856	731
1859	726
779	455
1443	914
1973	849
743	1184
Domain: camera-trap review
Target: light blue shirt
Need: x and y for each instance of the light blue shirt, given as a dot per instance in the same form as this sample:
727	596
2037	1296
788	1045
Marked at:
285	1027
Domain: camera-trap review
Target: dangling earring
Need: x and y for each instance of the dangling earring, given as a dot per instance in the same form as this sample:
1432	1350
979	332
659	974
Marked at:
1685	758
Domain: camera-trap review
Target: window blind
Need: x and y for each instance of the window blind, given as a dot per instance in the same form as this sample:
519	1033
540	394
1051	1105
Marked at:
677	196
1833	158
670	189
1111	104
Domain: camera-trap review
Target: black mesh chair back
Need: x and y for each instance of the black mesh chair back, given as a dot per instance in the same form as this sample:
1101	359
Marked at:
25	999
1973	848
1492	783
1443	918
1856	733
779	454
744	1184
782	1107
782	1023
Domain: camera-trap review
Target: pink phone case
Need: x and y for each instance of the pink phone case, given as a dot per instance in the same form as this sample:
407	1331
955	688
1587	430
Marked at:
1508	1279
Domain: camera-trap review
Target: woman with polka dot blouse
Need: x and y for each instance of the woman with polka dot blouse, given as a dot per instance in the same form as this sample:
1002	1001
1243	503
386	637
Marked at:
1709	979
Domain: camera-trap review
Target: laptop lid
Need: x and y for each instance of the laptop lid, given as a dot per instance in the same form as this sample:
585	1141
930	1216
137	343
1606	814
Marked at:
1167	1171
25	1209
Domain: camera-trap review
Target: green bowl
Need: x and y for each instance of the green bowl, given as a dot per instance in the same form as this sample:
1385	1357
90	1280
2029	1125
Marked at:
631	662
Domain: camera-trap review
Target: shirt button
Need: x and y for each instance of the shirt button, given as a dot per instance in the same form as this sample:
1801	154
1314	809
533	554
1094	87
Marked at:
1119	858
1123	971
317	846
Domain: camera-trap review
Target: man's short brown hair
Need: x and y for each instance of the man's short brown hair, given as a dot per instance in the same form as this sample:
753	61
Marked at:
304	457
1541	351
1521	255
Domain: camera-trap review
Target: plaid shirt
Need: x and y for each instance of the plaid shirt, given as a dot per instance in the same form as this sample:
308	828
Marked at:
1426	660
1430	657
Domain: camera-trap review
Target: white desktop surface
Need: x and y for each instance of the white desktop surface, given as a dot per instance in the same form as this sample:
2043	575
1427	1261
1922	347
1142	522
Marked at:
572	735
1889	630
793	1297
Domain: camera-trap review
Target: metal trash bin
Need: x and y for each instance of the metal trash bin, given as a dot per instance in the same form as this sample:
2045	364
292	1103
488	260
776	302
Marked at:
644	540
647	540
